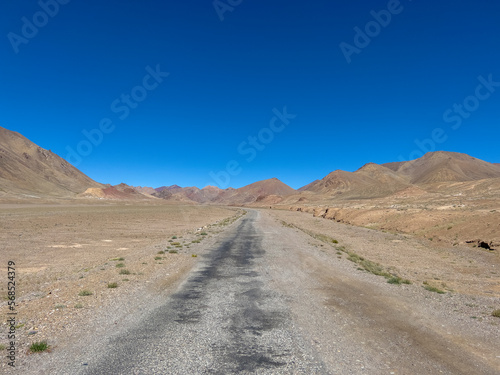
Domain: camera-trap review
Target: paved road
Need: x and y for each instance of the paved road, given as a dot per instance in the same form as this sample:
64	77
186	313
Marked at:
225	319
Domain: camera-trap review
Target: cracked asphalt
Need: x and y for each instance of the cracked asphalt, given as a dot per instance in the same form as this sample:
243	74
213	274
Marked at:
224	319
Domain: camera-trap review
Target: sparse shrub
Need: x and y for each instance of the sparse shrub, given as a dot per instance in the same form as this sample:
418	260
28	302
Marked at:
335	241
173	251
496	313
125	280
78	306
158	258
395	280
59	307
112	285
84	293
194	255
176	243
39	346
368	265
120	265
398	280
3	347
161	252
118	259
203	233
174	237
434	289
124	272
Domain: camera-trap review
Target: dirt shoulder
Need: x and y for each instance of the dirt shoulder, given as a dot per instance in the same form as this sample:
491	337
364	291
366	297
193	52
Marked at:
460	269
360	323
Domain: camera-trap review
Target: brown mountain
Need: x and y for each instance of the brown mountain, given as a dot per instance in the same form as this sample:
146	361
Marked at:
27	169
205	195
145	189
172	187
338	182
192	193
376	181
444	166
306	187
121	191
257	191
260	190
370	181
384	180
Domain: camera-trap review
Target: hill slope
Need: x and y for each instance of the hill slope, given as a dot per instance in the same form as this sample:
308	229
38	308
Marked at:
376	181
442	166
370	181
27	169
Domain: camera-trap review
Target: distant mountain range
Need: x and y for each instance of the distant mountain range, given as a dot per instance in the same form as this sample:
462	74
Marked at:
29	170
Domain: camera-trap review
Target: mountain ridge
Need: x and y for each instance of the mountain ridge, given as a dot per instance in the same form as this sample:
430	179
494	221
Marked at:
27	169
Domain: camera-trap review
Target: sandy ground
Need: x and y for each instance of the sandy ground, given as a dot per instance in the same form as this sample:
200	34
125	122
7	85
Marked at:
60	251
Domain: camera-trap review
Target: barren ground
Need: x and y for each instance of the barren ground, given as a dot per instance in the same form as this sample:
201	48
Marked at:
61	250
458	268
312	310
448	219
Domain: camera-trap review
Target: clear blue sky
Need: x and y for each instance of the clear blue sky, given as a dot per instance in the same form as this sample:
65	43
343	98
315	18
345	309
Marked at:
67	74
